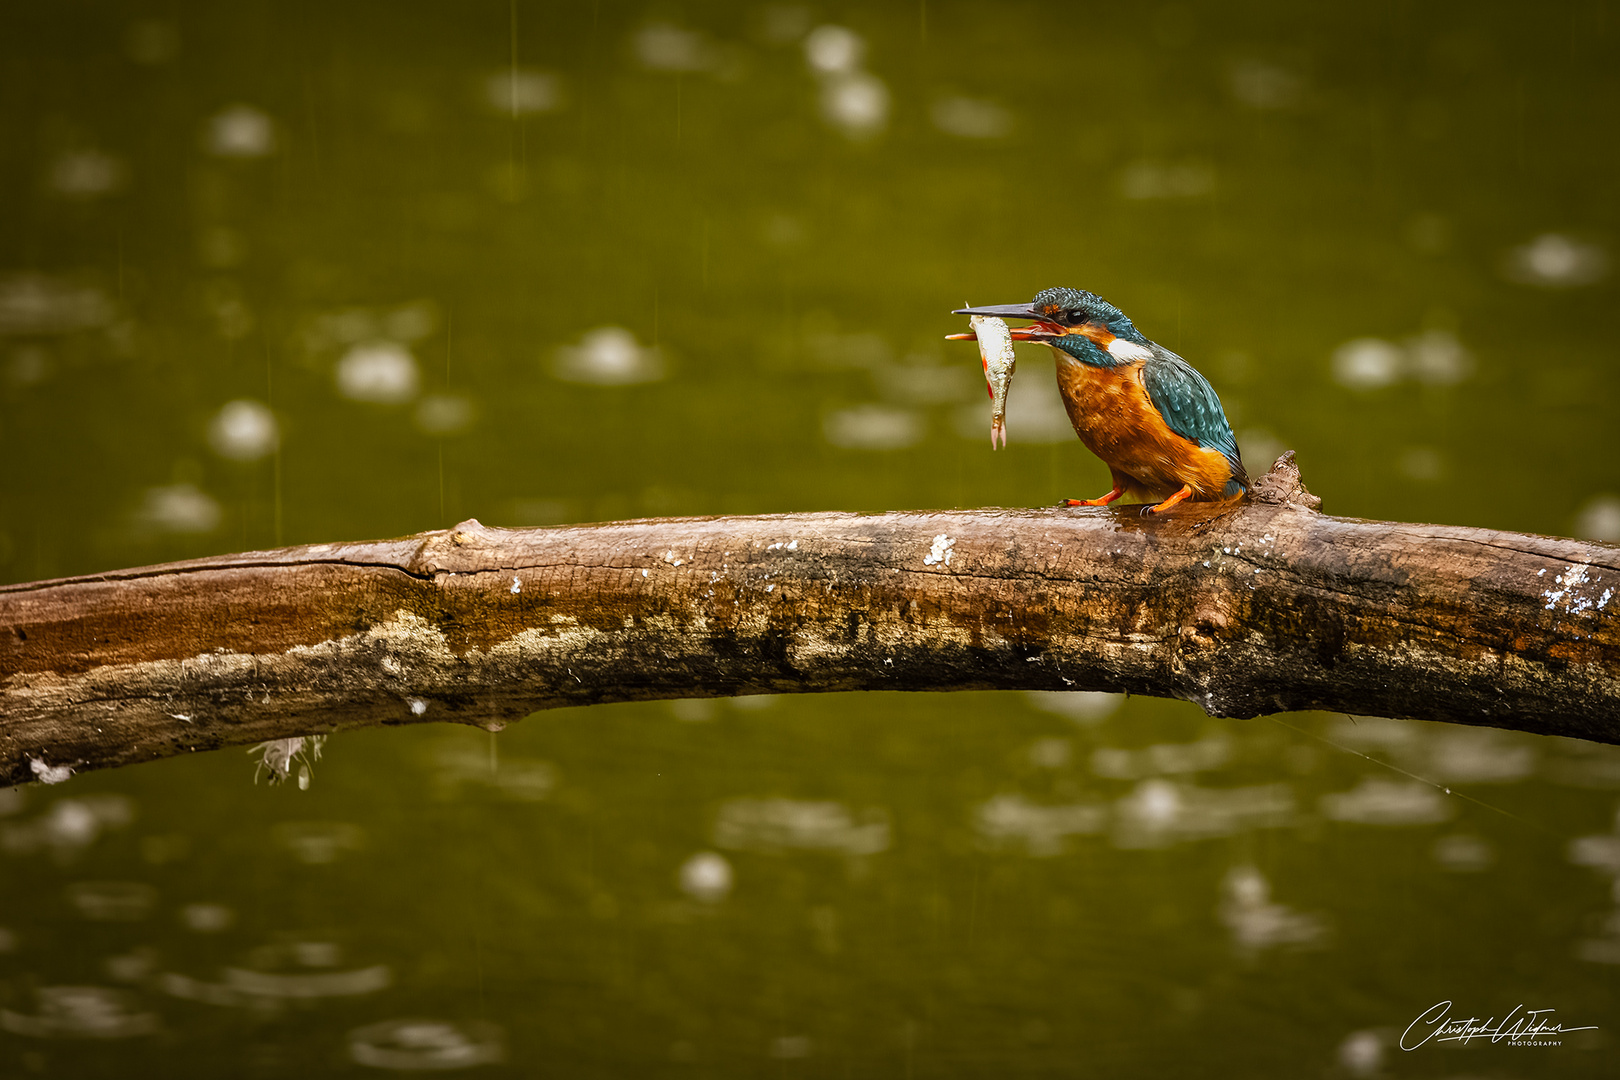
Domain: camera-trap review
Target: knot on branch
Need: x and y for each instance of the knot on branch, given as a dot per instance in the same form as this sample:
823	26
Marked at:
1282	486
440	550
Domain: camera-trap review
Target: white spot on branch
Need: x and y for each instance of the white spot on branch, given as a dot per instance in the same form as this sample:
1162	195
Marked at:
417	705
1566	593
517	586
49	774
940	552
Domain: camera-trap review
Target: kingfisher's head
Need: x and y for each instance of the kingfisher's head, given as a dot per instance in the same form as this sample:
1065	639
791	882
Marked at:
1080	323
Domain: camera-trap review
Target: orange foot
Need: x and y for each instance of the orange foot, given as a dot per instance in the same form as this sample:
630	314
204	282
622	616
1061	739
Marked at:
1186	490
1104	501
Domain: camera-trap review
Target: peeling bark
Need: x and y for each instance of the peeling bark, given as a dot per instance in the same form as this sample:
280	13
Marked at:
1258	607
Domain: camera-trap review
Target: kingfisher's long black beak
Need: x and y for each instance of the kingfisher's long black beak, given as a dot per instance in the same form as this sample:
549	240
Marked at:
1039	332
1002	311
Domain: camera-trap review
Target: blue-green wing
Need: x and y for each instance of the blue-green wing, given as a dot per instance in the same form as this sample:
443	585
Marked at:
1189	406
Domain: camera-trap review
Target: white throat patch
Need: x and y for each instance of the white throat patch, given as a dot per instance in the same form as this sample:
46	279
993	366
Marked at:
1121	349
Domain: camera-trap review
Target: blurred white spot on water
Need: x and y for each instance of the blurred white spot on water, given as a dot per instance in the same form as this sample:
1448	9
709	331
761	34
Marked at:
1479	756
1421	463
243	430
1257	923
694	710
1153	180
1602	950
380	371
608	356
1015	821
706	876
921	382
1438	358
131	967
523	91
207	918
1601	852
178	508
81	1012
112	901
1362	1053
834	50
445	414
36	304
319	842
1160	812
857	350
856	103
664	46
1082	706
873	427
1260	448
86	174
151	42
782	24
411	322
1260	85
1119	764
28	365
1388	802
459	762
1366	363
1599	519
775	825
67	826
240	131
1556	262
1434	356
970	118
1035	414
279	973
790	1047
1370	732
302	986
1582	764
1463	853
417	1045
1050	753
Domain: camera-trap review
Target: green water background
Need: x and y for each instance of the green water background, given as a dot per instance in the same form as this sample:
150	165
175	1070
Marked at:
396	232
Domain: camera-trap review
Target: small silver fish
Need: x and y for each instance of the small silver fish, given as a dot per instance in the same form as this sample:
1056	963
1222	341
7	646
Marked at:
996	350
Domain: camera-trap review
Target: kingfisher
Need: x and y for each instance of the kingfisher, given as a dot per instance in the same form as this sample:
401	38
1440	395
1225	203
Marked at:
1153	420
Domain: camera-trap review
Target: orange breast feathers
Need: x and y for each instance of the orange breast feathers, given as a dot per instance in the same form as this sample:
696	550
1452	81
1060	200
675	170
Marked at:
1113	415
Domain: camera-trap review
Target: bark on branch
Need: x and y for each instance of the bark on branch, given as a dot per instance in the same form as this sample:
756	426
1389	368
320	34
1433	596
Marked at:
1261	607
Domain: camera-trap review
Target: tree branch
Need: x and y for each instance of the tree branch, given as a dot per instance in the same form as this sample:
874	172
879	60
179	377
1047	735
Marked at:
1259	607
